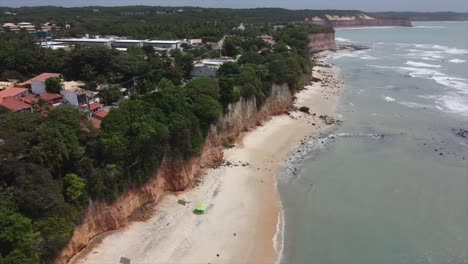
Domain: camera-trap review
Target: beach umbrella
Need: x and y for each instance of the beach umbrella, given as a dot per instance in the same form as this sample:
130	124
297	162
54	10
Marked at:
200	207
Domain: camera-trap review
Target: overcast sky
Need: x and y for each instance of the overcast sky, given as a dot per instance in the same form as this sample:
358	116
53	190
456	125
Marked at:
366	5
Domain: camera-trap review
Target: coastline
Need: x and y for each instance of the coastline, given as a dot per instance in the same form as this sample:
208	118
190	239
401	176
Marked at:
242	189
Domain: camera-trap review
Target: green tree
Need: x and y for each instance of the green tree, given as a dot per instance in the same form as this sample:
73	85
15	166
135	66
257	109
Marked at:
229	68
203	86
53	85
74	187
17	236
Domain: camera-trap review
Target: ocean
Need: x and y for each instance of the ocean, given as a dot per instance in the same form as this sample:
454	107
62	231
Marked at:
390	184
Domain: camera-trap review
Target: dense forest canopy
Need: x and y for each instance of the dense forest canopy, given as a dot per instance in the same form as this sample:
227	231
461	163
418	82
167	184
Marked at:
53	164
158	22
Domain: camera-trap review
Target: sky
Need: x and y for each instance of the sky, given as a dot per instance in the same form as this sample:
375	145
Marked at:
365	5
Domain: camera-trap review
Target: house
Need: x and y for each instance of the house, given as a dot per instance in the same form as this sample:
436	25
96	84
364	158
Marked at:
15	92
101	114
163	45
10	99
37	83
195	42
94	107
74	94
47	27
27	26
268	39
96	123
30	99
14	104
52	98
11	27
208	67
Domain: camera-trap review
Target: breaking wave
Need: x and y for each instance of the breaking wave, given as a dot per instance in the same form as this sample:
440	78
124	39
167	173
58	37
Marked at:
421	64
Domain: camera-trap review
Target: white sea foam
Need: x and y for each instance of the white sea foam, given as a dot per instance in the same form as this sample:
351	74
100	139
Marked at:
278	239
414	104
421	64
343	40
345	55
429	59
428	27
457	61
450	50
389	99
455	104
368	57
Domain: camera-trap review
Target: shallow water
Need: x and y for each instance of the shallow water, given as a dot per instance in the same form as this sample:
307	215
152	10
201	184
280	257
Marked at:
389	185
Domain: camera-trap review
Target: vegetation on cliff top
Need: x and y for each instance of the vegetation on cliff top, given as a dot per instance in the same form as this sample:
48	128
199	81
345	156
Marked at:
50	168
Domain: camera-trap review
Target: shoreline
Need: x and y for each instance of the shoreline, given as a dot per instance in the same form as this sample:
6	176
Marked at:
242	190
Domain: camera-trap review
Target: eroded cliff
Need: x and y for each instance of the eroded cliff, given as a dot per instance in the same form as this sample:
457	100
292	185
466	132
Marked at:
175	175
322	41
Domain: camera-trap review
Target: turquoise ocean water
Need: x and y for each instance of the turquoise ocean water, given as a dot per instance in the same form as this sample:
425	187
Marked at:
389	185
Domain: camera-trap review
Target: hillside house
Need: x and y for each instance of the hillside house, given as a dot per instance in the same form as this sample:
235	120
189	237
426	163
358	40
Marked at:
10	99
52	98
101	114
74	94
37	84
14	104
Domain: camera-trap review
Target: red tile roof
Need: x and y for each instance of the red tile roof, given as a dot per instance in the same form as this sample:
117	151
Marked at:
29	99
42	77
50	96
101	113
14	104
95	106
12	92
95	122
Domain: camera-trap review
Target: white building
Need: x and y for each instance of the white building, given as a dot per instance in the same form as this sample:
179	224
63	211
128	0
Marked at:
126	43
208	67
75	95
37	83
86	41
163	45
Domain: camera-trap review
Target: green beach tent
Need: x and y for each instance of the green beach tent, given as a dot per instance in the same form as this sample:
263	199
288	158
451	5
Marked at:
200	207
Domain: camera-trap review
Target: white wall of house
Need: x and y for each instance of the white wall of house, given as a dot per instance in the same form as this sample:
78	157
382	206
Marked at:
38	87
70	97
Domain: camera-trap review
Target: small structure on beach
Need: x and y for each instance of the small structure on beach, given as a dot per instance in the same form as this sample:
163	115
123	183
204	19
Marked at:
200	208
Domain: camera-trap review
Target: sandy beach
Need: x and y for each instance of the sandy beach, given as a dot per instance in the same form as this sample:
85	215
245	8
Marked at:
241	221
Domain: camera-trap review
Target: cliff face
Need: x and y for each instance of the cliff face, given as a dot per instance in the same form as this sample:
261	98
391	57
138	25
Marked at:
175	175
322	41
371	23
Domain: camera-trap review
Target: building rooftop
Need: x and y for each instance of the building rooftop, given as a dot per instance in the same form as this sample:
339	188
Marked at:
73	86
162	41
29	99
95	122
101	113
100	40
128	41
51	96
94	106
42	77
15	91
14	104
